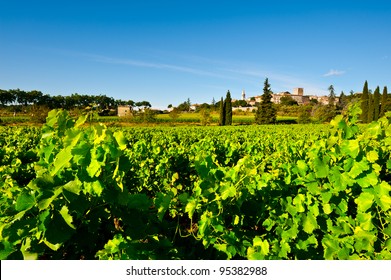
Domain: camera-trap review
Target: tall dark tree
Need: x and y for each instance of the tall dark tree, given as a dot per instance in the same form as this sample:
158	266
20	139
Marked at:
266	112
364	103
342	101
46	100
185	106
228	109
376	104
222	113
33	97
370	108
20	96
383	102
213	102
6	97
331	98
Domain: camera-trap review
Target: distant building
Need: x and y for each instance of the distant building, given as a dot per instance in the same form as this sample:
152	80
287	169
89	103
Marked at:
124	111
324	100
298	91
243	95
298	96
276	97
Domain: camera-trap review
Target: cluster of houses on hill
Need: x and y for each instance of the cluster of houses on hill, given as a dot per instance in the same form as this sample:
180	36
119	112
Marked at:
297	95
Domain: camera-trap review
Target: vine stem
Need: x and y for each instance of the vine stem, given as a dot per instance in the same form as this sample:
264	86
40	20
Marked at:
381	220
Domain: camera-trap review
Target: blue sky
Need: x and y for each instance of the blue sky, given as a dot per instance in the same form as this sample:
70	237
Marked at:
168	51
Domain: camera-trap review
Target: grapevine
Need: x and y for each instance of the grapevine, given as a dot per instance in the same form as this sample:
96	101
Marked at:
73	190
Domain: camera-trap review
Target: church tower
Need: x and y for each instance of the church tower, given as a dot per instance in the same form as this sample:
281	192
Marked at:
243	95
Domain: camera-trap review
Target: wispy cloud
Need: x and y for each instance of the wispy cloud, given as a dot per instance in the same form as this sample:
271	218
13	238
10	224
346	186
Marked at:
333	72
146	64
248	76
282	82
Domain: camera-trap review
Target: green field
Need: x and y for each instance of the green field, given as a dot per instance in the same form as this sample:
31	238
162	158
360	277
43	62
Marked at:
247	118
75	190
190	119
159	119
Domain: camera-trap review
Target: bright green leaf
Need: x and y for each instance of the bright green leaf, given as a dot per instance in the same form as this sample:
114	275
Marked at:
372	156
263	244
364	201
94	168
121	140
62	160
364	221
298	202
54	247
73	186
94	187
327	208
358	168
284	249
385	202
367	180
321	168
162	203
350	148
191	206
302	167
309	223
67	217
24	201
227	190
253	254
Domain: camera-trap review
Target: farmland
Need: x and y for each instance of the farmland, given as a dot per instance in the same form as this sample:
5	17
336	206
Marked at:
76	190
160	119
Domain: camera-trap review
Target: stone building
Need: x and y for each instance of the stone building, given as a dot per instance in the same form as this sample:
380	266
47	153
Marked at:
124	111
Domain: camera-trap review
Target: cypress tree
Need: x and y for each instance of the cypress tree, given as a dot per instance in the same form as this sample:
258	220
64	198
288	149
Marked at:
370	108
266	113
364	103
222	113
376	104
228	109
331	98
341	101
383	102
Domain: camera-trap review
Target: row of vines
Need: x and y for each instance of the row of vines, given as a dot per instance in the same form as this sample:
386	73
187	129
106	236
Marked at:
72	190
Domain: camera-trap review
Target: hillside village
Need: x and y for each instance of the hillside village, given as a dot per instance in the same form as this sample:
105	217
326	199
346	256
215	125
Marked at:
297	95
251	102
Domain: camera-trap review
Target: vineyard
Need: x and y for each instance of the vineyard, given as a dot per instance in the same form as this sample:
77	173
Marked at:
73	190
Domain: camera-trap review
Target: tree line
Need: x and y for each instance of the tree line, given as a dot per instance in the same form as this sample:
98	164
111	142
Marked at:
17	97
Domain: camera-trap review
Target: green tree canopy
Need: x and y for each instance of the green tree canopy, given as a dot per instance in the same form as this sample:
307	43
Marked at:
288	101
342	101
266	112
